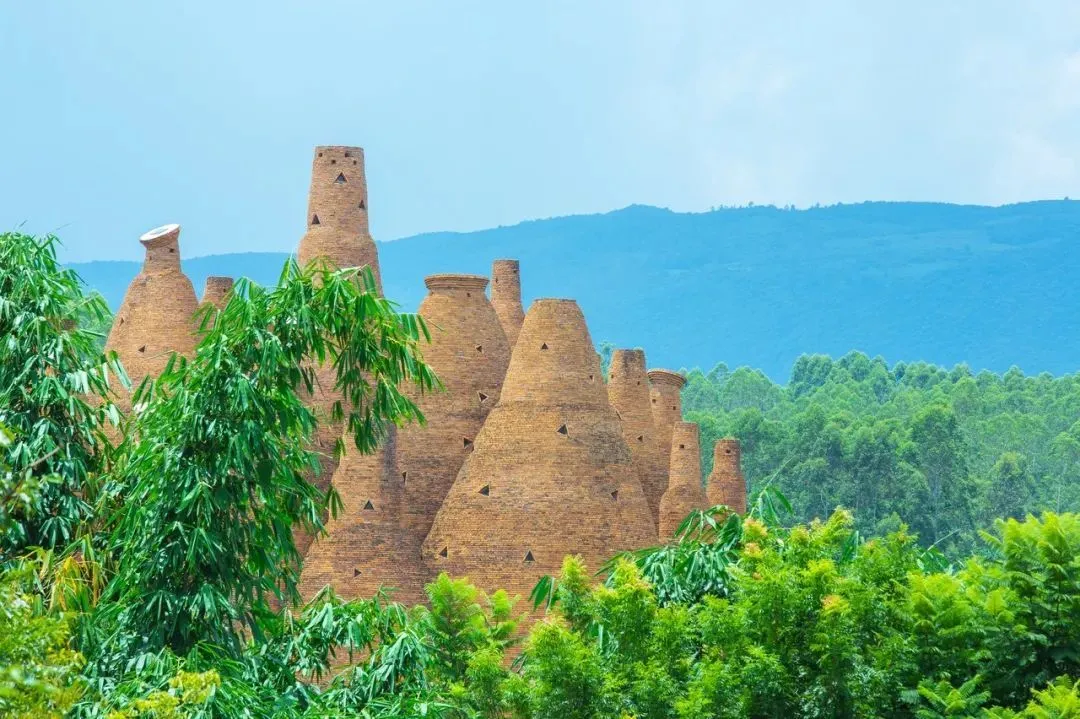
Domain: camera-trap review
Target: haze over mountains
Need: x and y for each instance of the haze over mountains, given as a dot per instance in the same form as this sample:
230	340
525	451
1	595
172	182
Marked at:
758	286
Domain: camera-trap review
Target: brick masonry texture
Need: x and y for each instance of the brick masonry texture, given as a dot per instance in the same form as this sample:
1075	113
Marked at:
156	316
684	493
337	233
216	291
469	353
366	547
726	483
628	391
549	471
665	388
506	297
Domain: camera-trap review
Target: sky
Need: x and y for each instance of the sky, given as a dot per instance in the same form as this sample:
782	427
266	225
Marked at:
121	116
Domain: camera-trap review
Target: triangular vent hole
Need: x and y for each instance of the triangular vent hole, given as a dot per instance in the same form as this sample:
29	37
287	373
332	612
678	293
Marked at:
356	572
615	495
483	397
341	179
529	557
485	490
466	442
362	206
480	349
444	553
563	430
315	220
641	438
143	348
543	346
368	505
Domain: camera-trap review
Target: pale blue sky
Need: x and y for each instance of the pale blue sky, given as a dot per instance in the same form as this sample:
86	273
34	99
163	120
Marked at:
119	116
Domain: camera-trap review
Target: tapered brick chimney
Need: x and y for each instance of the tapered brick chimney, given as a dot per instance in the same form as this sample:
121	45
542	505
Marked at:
469	353
216	291
506	297
156	317
726	483
665	399
628	390
684	493
337	220
549	473
337	233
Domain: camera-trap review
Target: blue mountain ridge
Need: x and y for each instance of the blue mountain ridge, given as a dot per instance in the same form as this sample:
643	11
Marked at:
990	286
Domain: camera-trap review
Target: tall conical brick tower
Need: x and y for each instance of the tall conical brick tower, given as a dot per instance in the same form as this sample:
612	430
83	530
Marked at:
337	232
216	291
665	399
156	316
337	218
506	297
544	477
367	547
628	390
469	353
726	483
684	493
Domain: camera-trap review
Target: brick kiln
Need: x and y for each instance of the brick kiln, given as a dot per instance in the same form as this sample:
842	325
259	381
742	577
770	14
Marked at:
155	318
665	399
547	472
337	233
628	391
216	291
684	493
506	297
726	483
469	353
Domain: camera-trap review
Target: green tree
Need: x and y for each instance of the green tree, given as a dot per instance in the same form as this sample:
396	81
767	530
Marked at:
52	381
213	480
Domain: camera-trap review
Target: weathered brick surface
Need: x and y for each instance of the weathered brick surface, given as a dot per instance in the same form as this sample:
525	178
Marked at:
366	547
628	391
469	353
337	232
726	483
156	316
506	297
684	493
549	468
216	291
665	399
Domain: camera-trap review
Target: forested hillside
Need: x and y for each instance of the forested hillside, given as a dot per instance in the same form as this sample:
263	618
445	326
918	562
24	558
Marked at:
148	568
945	450
759	286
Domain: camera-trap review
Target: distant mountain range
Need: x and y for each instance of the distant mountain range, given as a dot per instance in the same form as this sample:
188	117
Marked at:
990	286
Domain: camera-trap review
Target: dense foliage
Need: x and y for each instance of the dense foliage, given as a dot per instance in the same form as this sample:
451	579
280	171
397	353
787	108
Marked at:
945	451
167	586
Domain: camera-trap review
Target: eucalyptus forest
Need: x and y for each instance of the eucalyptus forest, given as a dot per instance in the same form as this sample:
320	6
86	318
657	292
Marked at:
911	548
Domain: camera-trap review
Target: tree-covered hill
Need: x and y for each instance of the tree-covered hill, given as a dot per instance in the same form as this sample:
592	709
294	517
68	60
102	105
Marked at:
990	286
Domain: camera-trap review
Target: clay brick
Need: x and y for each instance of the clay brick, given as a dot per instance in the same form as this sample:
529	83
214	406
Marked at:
628	391
366	547
156	316
684	493
469	353
216	291
726	483
337	232
549	471
506	297
665	399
